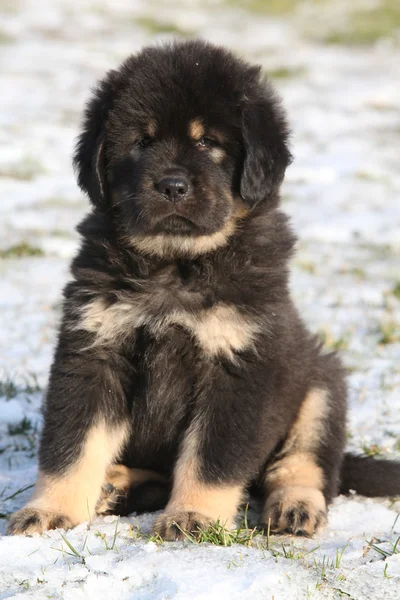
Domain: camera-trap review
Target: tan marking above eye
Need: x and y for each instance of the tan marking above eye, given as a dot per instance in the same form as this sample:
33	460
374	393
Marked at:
151	129
196	129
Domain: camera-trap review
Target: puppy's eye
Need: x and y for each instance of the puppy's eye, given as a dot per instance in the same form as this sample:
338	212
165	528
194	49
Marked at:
206	142
146	141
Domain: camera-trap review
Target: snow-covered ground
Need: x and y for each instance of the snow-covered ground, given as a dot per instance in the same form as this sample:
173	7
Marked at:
343	193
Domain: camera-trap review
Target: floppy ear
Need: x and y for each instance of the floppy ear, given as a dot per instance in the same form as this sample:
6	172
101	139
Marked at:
89	157
265	137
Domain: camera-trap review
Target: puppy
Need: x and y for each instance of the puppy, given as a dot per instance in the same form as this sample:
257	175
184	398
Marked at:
181	359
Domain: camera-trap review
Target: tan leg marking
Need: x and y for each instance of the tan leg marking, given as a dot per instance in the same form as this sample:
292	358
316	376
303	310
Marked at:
294	482
295	469
119	479
310	423
195	504
70	498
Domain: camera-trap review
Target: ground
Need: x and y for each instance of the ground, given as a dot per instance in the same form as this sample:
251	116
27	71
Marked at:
337	67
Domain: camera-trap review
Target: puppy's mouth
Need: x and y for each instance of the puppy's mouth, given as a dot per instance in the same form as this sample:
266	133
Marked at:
176	224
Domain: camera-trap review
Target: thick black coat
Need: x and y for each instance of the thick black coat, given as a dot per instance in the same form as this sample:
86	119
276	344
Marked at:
180	347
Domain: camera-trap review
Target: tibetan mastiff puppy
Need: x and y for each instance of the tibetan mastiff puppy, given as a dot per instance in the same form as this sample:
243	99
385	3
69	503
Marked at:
183	374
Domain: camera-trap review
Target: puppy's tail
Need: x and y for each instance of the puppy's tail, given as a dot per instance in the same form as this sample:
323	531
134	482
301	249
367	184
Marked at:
369	476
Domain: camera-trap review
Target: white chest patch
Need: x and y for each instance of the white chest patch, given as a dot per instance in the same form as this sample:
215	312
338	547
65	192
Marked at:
221	329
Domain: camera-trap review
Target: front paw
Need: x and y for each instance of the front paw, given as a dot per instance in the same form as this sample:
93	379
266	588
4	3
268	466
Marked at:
295	509
34	520
173	526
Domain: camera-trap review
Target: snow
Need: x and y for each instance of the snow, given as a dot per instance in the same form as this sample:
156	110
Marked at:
342	193
11	411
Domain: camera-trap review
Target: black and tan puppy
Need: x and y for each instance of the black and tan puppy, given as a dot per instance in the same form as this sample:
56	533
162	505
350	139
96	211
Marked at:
181	359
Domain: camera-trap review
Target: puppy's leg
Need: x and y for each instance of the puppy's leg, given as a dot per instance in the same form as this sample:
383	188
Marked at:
220	452
127	490
85	428
304	476
196	503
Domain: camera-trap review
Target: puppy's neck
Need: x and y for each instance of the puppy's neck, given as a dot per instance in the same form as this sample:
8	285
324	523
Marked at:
167	246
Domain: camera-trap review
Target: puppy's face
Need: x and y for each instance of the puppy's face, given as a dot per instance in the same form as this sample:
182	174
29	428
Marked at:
180	143
174	173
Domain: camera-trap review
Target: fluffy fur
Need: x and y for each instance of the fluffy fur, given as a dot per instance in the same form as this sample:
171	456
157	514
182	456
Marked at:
182	364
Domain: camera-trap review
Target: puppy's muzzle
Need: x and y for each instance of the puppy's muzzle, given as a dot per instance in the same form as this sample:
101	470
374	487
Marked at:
173	187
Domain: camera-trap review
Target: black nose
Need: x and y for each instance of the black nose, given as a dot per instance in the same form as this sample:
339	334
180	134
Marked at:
173	188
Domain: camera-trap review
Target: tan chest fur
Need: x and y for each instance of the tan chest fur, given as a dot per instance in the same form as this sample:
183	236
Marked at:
219	330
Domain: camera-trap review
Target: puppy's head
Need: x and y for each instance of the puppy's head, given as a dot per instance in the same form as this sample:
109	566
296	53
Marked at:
179	144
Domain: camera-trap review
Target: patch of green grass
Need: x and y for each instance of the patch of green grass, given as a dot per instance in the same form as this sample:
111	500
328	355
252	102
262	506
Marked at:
24	584
72	550
367	25
6	38
339	556
154	27
244	535
217	535
389	333
396	290
31	384
386	574
60	202
307	266
334	343
60	233
354	271
357	272
322	565
343	594
21	250
8	389
372	450
22	428
103	536
25	170
392	548
367	176
364	176
330	563
15	494
9	6
269	7
285	72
